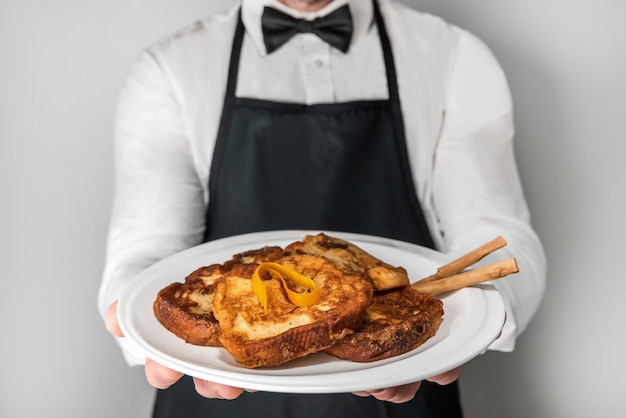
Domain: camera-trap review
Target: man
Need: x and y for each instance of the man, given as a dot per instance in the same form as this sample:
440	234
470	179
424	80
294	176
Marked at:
389	123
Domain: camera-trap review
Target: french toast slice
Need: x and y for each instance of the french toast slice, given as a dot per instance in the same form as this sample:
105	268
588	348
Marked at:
355	320
186	309
258	339
351	258
395	322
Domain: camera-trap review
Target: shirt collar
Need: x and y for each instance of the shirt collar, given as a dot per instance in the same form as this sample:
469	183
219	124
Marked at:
251	11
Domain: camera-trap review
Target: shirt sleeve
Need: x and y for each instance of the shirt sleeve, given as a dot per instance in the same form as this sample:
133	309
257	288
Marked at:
158	206
477	191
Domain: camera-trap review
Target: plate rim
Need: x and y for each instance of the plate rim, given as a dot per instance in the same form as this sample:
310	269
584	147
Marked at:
387	373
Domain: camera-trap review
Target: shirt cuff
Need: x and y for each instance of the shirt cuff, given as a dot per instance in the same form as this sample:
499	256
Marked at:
506	341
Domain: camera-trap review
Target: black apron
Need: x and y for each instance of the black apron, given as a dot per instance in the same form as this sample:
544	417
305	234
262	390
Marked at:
325	167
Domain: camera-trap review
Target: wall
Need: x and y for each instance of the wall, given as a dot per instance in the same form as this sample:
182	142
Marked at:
61	67
565	62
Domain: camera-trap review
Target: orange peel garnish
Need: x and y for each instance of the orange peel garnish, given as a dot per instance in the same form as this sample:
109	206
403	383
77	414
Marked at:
309	297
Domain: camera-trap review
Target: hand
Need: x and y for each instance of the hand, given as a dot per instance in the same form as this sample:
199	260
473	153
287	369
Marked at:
405	393
162	377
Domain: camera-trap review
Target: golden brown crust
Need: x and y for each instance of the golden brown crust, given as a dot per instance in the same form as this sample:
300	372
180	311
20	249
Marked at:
216	306
174	310
285	332
351	258
186	309
252	257
395	322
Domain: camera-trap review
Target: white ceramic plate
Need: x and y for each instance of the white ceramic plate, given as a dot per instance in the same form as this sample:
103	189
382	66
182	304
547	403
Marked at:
472	321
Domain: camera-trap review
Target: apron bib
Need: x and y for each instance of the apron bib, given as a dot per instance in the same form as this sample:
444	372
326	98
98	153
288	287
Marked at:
325	167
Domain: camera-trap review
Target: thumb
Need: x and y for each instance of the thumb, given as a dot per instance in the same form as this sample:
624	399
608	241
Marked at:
110	320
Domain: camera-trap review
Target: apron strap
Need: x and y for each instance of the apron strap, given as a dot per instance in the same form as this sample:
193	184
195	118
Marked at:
398	121
229	100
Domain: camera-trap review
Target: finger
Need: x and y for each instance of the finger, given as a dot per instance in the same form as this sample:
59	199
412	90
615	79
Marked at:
447	377
398	394
216	390
110	321
159	376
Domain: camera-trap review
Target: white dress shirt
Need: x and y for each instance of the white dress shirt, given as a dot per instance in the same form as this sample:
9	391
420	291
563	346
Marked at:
458	121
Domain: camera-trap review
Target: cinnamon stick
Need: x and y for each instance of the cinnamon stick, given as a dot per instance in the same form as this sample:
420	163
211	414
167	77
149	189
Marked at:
492	271
466	260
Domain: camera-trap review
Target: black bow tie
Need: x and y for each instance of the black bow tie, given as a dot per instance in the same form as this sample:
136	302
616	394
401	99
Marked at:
335	28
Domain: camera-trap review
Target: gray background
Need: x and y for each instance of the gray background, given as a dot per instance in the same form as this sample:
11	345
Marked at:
61	65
